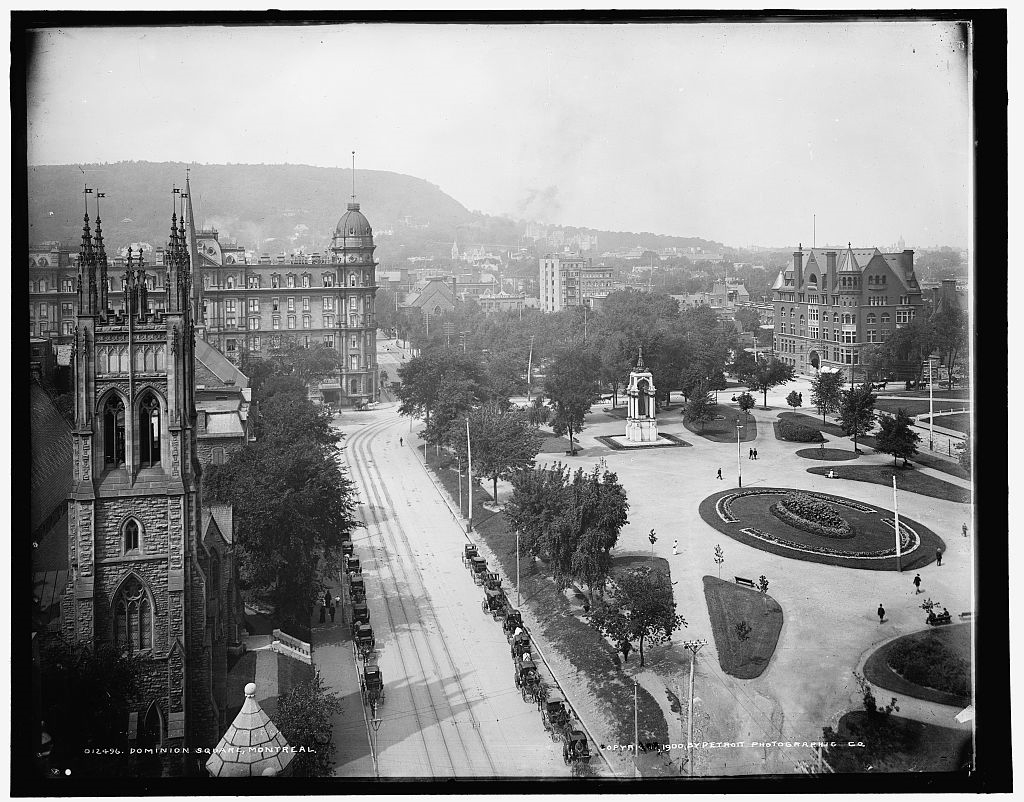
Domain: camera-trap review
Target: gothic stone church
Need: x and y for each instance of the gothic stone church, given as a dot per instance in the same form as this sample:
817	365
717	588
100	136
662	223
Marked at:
150	569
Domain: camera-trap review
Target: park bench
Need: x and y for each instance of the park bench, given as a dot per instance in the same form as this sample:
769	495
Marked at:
968	616
749	583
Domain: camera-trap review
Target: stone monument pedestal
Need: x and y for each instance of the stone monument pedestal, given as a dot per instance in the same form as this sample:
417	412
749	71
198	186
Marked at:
641	416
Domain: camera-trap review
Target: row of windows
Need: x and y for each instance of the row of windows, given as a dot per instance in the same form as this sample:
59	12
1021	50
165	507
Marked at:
231	321
305	280
326	304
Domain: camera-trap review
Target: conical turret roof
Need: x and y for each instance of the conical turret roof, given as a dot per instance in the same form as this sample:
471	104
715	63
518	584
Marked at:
252	746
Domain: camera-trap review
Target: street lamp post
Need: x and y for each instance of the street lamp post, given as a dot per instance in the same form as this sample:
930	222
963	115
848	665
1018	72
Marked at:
517	568
896	514
693	646
931	407
375	723
469	477
739	469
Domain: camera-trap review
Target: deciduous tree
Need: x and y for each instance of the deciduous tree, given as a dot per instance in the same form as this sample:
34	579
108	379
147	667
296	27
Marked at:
638	608
857	412
795	399
503	442
746	402
572	385
768	374
304	717
701	407
896	437
826	391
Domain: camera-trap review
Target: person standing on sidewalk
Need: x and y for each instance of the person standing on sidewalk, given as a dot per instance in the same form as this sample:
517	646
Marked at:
938	557
965	529
675	546
331	610
881	613
917	584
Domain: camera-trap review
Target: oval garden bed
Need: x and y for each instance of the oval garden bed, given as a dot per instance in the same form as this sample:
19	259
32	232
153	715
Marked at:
934	664
747	516
827	454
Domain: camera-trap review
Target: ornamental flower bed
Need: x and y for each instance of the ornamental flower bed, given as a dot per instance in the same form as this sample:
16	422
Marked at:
811	515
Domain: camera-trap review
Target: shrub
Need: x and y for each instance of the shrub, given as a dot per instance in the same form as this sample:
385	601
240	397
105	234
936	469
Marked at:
798	433
811	515
929	662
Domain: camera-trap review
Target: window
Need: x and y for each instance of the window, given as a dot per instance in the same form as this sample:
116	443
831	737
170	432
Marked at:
130	539
329	340
232	346
813	315
255	343
305	279
68	328
328	279
44	311
305	321
67	310
254	323
291	304
305	341
206	282
229	306
276	322
871	319
885	318
328	321
67	285
355	386
217	456
849	336
904	300
229	321
275	281
254	282
328	303
291	280
305	304
254	304
902	316
149	432
133	617
351	279
276	305
872	336
231	282
353	342
835	317
113	432
354	362
814	332
291	321
352	304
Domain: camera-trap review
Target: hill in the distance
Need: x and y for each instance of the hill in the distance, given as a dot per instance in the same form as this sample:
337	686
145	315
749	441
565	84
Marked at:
275	208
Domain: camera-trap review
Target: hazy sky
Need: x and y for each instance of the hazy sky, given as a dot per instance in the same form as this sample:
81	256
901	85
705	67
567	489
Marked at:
735	132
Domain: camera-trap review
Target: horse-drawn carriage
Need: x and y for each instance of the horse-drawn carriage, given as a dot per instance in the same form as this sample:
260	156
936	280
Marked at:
468	553
371	683
575	747
346	548
520	644
478	567
512	622
360	615
352	566
554	714
365	642
357	588
494	604
492	581
526	677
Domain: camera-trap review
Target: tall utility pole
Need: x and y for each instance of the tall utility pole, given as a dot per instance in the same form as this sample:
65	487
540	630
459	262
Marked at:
529	373
636	733
899	541
517	567
692	646
469	477
931	407
739	469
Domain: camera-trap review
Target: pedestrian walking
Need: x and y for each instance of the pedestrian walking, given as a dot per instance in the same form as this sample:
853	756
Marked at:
965	530
719	473
675	546
750	453
917	584
401	442
331	610
323	612
938	557
755	453
881	613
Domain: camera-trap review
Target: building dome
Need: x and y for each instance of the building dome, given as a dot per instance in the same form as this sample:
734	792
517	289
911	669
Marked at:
353	224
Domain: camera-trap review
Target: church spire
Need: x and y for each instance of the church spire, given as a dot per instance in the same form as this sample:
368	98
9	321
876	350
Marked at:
173	259
101	256
86	264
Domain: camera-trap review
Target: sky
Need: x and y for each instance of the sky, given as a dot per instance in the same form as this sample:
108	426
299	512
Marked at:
744	133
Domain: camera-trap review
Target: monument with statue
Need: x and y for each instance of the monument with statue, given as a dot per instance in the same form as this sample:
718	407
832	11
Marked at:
641	410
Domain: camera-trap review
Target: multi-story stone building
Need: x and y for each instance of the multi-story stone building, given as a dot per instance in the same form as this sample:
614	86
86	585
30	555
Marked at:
150	570
572	281
259	307
830	306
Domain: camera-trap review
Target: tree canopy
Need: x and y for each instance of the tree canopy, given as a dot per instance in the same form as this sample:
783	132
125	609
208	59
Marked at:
826	391
503	442
857	412
304	717
638	608
572	385
896	437
768	374
701	407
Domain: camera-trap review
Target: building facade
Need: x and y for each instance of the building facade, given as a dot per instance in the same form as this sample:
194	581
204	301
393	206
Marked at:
830	304
259	307
572	281
147	573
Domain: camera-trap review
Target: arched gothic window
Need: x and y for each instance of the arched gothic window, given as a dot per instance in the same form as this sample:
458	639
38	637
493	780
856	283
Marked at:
149	432
133	617
151	733
113	432
132	532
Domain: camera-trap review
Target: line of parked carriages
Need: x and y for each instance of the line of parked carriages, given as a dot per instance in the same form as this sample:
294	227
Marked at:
533	678
364	644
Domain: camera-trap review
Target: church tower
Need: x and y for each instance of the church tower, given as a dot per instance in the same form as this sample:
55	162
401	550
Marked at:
138	570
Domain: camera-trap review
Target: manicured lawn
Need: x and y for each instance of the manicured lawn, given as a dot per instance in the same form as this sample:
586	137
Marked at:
897	744
914	407
595	660
906	479
963	394
827	454
724	430
867	549
730	604
954	639
958	423
812	422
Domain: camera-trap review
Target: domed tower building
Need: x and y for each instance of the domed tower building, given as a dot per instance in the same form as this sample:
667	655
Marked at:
352	252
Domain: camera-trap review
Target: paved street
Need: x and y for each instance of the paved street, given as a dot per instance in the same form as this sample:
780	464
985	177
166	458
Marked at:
451	706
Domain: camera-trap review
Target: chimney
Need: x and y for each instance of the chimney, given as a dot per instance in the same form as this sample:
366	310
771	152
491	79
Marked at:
798	266
455	292
830	267
907	261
